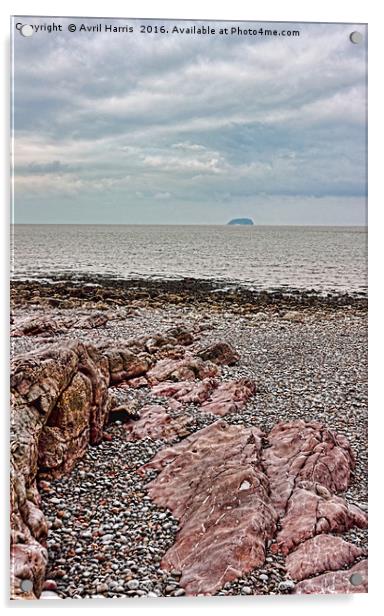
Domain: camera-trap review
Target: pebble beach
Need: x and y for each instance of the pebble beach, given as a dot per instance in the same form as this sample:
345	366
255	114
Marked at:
106	536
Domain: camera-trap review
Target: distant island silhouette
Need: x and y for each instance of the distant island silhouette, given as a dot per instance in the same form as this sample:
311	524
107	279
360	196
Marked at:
241	221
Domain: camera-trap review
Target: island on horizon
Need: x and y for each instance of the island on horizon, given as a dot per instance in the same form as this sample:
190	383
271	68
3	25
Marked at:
241	221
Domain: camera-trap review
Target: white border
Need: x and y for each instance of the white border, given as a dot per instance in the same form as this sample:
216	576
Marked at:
278	10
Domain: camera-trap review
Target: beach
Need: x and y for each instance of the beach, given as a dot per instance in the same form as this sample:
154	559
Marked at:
306	354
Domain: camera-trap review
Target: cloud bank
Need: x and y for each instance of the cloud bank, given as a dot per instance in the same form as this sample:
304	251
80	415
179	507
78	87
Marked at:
138	128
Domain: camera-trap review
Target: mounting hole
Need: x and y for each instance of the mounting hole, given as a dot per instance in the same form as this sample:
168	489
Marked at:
26	585
356	579
356	37
26	30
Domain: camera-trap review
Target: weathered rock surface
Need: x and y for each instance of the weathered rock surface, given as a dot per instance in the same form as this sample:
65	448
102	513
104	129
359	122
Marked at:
338	582
220	353
156	423
47	325
229	397
213	483
302	451
187	369
319	554
214	397
313	510
59	406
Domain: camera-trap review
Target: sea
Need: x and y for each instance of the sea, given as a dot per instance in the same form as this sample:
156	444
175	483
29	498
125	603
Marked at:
320	259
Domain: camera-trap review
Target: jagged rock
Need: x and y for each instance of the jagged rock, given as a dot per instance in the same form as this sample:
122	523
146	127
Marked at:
187	369
46	325
156	423
220	353
219	399
213	483
124	412
319	554
310	513
338	582
186	391
229	397
306	451
124	364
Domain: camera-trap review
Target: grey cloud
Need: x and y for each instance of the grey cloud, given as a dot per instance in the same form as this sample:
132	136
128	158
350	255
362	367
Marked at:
196	119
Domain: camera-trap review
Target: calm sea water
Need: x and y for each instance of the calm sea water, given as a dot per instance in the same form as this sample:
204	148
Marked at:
319	258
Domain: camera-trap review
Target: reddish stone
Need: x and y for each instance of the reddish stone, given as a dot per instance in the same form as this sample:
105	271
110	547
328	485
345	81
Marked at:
306	451
319	554
310	513
47	325
189	368
338	582
229	397
155	423
214	485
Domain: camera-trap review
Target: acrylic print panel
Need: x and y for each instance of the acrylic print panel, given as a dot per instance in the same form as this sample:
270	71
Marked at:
189	304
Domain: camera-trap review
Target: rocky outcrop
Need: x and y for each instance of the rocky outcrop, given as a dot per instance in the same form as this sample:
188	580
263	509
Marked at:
156	423
302	451
347	581
189	368
213	483
213	397
229	493
313	510
50	324
60	405
229	397
319	554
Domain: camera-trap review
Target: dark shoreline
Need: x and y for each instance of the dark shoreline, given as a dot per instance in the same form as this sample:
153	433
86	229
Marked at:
230	296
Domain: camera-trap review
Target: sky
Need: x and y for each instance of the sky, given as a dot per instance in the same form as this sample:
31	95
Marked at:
139	128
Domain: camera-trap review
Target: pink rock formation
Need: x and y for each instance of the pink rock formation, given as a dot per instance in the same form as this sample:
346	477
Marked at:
313	510
49	324
187	369
306	451
338	582
219	399
319	554
156	423
229	397
186	391
213	483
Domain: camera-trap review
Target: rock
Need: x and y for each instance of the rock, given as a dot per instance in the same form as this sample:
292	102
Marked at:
223	531
49	594
220	353
155	423
306	451
338	582
48	325
286	585
187	391
133	584
246	590
229	397
219	399
124	412
49	585
187	369
319	554
309	513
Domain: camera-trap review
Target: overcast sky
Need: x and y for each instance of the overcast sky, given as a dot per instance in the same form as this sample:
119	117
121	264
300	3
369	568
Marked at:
188	129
